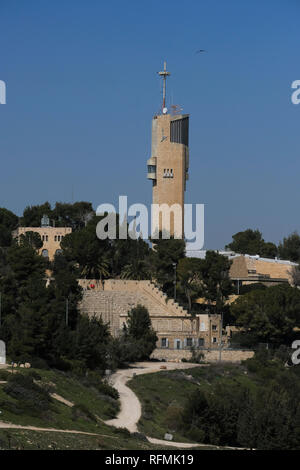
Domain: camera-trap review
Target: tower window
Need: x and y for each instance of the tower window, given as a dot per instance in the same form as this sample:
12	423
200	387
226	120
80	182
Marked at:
168	173
179	131
151	169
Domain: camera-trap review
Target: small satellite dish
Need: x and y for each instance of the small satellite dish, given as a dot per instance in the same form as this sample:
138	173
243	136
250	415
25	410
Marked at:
165	110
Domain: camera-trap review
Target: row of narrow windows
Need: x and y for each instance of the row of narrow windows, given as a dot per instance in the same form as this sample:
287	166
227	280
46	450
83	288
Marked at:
186	343
57	238
168	173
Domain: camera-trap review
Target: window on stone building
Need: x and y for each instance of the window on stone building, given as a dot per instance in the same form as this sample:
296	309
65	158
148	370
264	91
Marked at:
164	342
214	340
200	342
189	342
214	327
55	238
177	344
45	253
168	173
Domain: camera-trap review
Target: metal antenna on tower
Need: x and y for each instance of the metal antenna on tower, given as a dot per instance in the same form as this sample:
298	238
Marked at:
164	74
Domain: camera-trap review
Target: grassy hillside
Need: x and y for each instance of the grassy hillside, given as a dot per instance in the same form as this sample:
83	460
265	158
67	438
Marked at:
92	406
164	395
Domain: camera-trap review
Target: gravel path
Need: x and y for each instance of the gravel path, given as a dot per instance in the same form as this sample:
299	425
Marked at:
131	409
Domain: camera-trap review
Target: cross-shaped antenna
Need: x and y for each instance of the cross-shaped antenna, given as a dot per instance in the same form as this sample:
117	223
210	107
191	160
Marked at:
164	74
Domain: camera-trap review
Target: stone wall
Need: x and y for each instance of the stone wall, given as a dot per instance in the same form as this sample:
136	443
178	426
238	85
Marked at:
210	355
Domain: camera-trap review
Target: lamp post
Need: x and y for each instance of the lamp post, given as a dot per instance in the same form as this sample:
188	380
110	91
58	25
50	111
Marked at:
174	266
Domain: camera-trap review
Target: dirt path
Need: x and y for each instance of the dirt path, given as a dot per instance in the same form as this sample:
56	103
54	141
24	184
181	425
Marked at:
131	409
34	428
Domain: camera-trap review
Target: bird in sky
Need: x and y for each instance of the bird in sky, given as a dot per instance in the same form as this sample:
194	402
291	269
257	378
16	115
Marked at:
200	50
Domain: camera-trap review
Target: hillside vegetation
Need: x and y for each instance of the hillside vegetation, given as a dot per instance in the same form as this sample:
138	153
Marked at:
254	405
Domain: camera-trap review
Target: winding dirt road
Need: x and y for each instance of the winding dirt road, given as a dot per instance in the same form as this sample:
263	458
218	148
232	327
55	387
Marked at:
131	409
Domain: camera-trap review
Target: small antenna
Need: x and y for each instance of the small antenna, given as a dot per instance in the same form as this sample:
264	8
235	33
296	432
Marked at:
176	109
164	74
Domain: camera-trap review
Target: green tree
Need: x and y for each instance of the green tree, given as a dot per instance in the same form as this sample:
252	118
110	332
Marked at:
251	242
32	215
270	314
137	270
215	284
164	255
188	275
8	223
91	339
84	248
289	248
75	215
139	338
31	239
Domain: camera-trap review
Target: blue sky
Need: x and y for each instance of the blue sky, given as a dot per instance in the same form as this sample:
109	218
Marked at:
82	89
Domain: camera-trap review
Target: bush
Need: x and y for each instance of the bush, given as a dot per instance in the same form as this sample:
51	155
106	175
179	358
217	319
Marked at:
195	434
28	393
173	417
106	389
11	407
197	356
139	436
94	379
34	375
122	431
4	375
39	363
81	411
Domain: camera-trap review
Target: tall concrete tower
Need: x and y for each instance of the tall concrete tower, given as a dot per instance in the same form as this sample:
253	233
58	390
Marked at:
168	168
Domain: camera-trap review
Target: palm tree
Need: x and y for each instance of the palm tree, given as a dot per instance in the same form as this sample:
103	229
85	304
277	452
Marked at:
97	270
135	270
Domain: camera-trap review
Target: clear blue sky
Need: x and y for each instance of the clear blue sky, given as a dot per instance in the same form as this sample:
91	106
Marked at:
82	89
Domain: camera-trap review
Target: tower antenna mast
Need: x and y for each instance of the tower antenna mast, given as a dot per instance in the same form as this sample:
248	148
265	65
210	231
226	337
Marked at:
164	74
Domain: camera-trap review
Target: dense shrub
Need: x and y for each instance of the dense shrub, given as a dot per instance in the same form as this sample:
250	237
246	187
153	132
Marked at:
29	395
81	411
261	412
4	375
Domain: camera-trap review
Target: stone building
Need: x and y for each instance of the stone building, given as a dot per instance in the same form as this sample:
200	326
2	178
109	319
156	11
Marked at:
175	328
246	269
250	269
51	237
168	168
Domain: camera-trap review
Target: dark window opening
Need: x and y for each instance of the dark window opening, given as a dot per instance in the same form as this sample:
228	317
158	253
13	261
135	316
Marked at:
179	131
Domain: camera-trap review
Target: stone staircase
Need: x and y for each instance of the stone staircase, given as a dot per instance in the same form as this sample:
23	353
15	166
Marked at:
114	298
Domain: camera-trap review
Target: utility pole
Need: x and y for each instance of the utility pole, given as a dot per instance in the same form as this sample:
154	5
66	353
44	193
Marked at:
174	266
